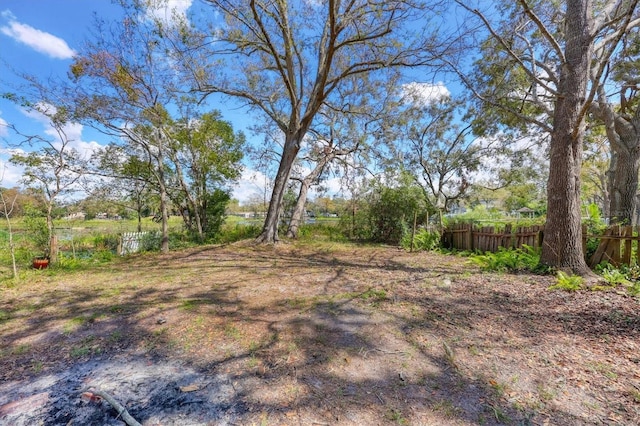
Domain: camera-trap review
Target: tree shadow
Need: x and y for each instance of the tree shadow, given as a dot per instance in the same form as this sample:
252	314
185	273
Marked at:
335	352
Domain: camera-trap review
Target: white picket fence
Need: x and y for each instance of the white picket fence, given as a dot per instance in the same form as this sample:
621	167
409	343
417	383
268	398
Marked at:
130	242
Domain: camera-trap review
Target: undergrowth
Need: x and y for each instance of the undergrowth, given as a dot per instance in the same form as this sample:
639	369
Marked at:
508	260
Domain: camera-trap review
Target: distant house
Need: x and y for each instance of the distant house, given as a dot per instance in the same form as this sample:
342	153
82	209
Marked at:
75	216
102	216
526	212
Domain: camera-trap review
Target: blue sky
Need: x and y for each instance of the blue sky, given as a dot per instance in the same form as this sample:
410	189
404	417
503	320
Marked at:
40	37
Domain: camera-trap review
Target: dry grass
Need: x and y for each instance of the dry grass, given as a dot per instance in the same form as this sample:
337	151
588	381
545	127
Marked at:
342	334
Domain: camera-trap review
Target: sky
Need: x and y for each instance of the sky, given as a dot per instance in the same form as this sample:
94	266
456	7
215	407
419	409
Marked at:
41	37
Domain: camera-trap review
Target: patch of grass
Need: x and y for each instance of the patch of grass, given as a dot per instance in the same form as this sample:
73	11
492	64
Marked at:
232	331
499	388
79	351
396	416
499	415
446	407
605	369
37	366
635	394
374	296
190	304
4	315
252	362
115	336
21	349
545	393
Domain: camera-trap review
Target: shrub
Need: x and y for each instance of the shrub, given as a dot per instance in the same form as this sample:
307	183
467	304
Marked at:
524	259
567	282
237	232
151	241
324	231
423	240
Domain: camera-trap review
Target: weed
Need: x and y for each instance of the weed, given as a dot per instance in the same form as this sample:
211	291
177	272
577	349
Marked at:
37	366
79	351
499	388
396	416
253	361
567	282
614	276
635	394
602	368
423	240
4	315
74	324
473	350
445	407
545	394
500	415
374	296
21	349
115	336
232	332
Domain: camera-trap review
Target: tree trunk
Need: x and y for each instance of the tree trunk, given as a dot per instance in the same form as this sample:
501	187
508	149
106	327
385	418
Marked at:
305	184
269	232
298	212
624	182
562	245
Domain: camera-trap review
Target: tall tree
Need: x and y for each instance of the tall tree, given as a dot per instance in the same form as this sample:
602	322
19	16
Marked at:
341	132
545	71
205	156
287	59
56	167
438	153
621	120
125	86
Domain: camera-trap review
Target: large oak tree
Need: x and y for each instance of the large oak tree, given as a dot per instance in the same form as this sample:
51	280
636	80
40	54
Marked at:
544	63
288	58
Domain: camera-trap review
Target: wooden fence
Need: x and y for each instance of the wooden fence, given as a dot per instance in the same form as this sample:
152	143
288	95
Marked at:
466	236
616	244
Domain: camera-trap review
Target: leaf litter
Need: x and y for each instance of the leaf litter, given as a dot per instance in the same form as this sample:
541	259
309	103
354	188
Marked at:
313	334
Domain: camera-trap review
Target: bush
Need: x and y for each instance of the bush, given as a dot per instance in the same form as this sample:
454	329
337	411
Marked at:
106	242
151	241
525	259
567	282
423	240
323	231
238	232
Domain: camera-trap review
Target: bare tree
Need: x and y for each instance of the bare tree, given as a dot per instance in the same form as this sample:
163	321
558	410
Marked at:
7	205
55	167
287	59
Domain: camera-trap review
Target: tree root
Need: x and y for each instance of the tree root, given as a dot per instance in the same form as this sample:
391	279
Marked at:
122	412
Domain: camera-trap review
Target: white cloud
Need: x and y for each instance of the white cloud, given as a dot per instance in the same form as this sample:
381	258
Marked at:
10	174
251	185
38	40
72	131
4	127
423	94
168	11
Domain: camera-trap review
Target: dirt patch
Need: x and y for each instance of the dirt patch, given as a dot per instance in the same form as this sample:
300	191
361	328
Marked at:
315	334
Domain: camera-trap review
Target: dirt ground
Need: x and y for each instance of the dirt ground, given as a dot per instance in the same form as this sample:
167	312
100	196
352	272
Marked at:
314	334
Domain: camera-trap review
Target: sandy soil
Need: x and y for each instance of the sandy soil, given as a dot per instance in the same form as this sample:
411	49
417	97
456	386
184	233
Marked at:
314	334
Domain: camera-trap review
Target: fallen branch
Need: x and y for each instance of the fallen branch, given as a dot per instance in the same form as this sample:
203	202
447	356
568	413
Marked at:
122	412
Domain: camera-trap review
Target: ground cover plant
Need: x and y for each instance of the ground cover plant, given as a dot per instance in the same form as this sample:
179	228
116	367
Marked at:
314	333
